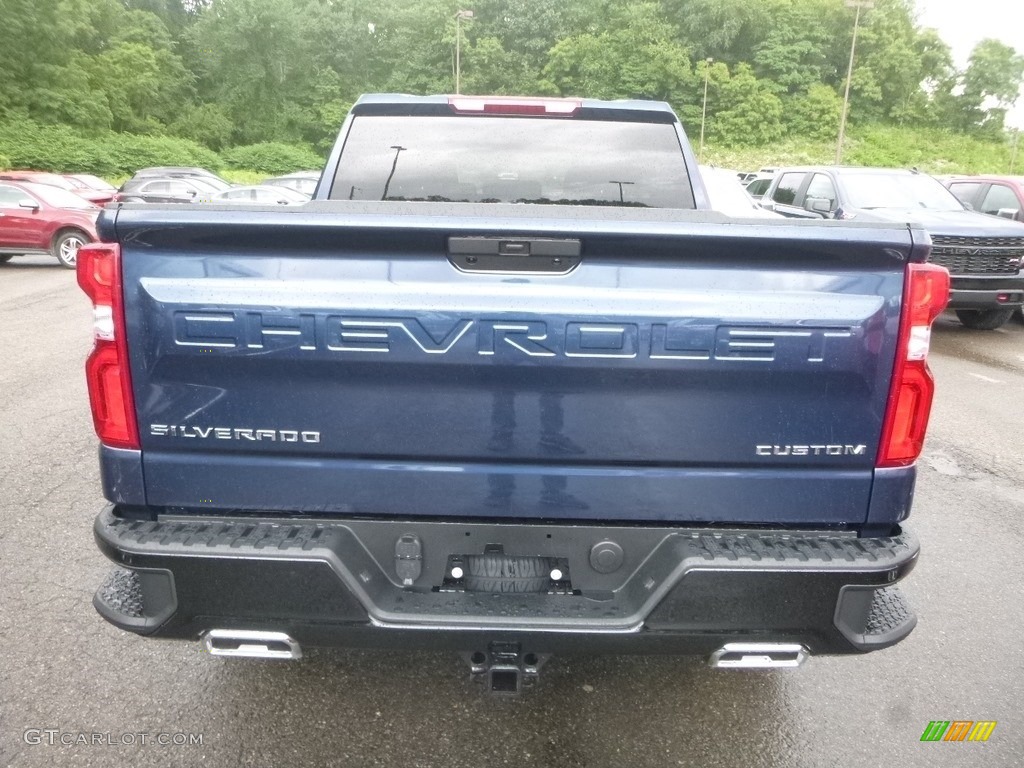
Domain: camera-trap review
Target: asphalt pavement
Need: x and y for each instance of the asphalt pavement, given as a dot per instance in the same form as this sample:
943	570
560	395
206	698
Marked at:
67	676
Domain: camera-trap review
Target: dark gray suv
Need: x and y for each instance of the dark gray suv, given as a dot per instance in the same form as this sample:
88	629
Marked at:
983	254
167	190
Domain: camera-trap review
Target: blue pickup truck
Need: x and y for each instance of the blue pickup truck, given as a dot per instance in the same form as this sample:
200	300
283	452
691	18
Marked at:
507	387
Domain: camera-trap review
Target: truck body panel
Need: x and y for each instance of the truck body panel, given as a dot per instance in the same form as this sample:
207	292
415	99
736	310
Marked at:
675	376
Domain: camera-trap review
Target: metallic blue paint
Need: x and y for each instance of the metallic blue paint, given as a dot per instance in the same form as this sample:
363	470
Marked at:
751	496
121	476
410	431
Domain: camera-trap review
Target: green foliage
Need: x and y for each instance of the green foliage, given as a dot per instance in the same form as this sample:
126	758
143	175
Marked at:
173	77
236	176
251	59
206	124
795	51
727	30
489	68
748	111
994	72
89	64
930	150
272	158
50	147
61	149
636	58
5	163
814	115
128	152
530	28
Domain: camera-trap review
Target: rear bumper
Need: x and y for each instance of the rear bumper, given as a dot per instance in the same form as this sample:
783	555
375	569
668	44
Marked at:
337	582
984	292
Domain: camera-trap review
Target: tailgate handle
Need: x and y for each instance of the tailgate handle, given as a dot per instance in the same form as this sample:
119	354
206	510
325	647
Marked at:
520	254
514	248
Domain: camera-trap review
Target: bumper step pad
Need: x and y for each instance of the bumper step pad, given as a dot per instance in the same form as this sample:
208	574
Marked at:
334	581
889	611
121	593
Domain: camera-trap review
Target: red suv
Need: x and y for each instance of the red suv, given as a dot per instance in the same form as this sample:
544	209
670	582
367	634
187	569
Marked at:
995	195
38	218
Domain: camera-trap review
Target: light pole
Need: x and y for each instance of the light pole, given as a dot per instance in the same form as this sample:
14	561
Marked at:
704	110
622	197
398	150
858	4
459	16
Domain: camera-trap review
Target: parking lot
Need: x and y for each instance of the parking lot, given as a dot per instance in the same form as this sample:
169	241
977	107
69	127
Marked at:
64	670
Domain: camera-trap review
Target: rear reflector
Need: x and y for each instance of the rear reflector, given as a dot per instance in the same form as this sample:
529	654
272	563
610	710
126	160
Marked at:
106	371
925	294
495	105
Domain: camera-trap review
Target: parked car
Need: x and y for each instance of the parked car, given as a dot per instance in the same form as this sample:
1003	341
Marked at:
40	218
95	196
982	253
995	195
261	194
301	181
179	171
90	181
167	190
758	185
726	194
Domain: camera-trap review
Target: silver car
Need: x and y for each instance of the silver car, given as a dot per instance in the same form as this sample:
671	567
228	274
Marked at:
260	194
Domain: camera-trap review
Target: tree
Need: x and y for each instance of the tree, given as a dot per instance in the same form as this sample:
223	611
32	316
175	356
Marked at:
144	82
489	68
993	77
528	29
726	30
994	71
230	72
206	124
254	61
748	112
795	52
637	58
814	114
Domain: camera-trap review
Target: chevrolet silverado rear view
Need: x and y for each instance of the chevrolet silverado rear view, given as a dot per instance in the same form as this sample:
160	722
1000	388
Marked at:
507	387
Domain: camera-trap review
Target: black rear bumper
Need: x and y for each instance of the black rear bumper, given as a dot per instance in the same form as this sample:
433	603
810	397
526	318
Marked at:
340	582
988	292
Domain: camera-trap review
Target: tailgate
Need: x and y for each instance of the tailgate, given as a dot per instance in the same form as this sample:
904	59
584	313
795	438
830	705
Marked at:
320	360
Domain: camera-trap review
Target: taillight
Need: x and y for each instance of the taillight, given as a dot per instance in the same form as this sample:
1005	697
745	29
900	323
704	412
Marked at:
925	293
106	370
497	105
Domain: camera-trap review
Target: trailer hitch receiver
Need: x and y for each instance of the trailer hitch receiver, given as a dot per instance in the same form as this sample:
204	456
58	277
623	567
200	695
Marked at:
504	669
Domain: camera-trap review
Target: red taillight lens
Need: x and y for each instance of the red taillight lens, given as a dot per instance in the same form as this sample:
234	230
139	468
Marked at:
925	293
497	105
106	370
97	271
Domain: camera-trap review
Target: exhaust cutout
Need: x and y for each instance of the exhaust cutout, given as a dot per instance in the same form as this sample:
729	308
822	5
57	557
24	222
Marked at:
759	656
251	644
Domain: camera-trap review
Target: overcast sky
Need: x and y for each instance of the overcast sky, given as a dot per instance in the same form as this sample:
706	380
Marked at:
962	23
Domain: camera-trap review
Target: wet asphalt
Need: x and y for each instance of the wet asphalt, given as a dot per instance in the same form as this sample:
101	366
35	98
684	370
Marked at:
65	675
